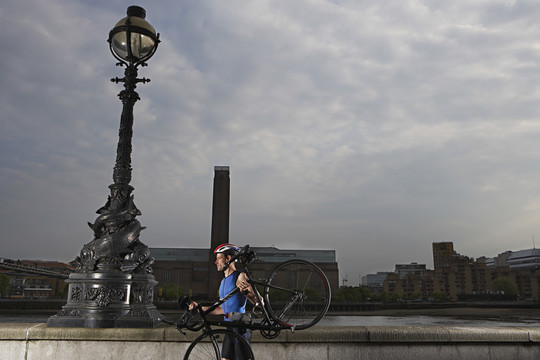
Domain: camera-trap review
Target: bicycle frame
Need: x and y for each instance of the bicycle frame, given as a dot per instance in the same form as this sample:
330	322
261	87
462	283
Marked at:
253	326
269	322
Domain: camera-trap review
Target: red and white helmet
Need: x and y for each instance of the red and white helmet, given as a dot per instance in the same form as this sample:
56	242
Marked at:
227	249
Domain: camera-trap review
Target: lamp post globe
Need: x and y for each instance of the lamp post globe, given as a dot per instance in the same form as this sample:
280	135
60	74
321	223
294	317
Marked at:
133	39
113	285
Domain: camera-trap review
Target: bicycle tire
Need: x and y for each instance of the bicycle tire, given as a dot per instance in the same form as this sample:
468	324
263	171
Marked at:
312	298
209	344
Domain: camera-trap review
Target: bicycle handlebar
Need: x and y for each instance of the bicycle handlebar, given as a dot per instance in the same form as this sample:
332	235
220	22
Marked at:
184	302
183	322
244	254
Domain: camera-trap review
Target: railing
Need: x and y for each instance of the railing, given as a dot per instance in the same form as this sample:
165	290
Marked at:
12	265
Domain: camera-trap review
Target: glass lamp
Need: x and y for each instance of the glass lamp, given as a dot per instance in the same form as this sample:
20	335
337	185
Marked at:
133	39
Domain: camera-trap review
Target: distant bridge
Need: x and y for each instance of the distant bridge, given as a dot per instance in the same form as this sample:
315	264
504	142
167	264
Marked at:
21	268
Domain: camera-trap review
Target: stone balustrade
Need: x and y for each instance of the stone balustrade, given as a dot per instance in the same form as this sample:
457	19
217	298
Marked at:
39	342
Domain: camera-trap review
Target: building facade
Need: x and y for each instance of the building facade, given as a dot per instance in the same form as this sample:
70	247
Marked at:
460	277
375	280
442	254
189	268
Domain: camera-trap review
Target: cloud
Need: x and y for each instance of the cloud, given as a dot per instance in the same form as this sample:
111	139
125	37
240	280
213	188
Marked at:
366	127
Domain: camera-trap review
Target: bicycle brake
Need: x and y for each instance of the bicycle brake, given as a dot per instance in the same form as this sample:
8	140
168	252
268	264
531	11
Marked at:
292	328
257	310
182	332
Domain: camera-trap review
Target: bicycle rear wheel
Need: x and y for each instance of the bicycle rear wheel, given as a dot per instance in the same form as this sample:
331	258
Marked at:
297	294
209	345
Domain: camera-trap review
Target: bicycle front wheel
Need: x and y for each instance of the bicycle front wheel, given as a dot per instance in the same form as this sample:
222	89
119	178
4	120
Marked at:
297	294
209	346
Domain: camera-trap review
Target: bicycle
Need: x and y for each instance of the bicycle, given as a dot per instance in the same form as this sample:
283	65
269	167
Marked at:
296	296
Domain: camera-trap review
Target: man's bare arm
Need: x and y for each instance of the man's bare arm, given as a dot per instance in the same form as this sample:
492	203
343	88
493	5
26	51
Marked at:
247	289
216	311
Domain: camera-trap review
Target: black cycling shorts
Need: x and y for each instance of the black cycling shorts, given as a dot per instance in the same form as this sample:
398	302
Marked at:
231	349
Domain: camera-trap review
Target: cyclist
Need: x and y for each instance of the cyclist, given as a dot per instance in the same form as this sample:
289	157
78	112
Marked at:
236	304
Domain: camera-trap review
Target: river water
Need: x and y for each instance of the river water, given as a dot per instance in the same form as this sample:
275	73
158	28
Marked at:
365	320
421	320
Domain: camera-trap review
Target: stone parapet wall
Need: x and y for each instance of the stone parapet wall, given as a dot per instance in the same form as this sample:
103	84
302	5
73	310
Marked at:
39	342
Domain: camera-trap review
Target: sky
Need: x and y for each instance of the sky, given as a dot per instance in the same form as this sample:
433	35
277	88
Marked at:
374	128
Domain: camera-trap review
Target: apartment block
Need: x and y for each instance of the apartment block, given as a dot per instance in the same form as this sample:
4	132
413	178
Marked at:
459	276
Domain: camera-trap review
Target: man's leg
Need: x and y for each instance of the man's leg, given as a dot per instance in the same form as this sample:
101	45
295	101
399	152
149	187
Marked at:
228	348
241	352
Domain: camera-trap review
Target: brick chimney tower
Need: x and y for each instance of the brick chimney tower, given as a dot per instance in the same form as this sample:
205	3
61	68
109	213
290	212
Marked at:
220	223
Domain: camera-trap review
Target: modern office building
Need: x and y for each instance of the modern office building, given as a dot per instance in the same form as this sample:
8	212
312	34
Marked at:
524	259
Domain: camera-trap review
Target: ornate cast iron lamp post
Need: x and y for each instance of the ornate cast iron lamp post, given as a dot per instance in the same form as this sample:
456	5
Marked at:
113	286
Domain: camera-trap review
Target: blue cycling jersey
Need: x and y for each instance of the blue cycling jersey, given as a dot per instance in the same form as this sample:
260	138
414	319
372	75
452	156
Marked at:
237	303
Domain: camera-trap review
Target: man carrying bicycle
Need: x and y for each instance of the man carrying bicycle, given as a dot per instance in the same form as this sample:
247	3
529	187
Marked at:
237	303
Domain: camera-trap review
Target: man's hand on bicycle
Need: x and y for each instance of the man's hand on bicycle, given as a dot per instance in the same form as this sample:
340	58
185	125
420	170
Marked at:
192	305
244	286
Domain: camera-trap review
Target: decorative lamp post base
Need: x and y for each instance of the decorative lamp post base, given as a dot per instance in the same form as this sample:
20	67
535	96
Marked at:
108	300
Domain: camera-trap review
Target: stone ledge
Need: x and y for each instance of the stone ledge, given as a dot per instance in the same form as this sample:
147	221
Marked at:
318	334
